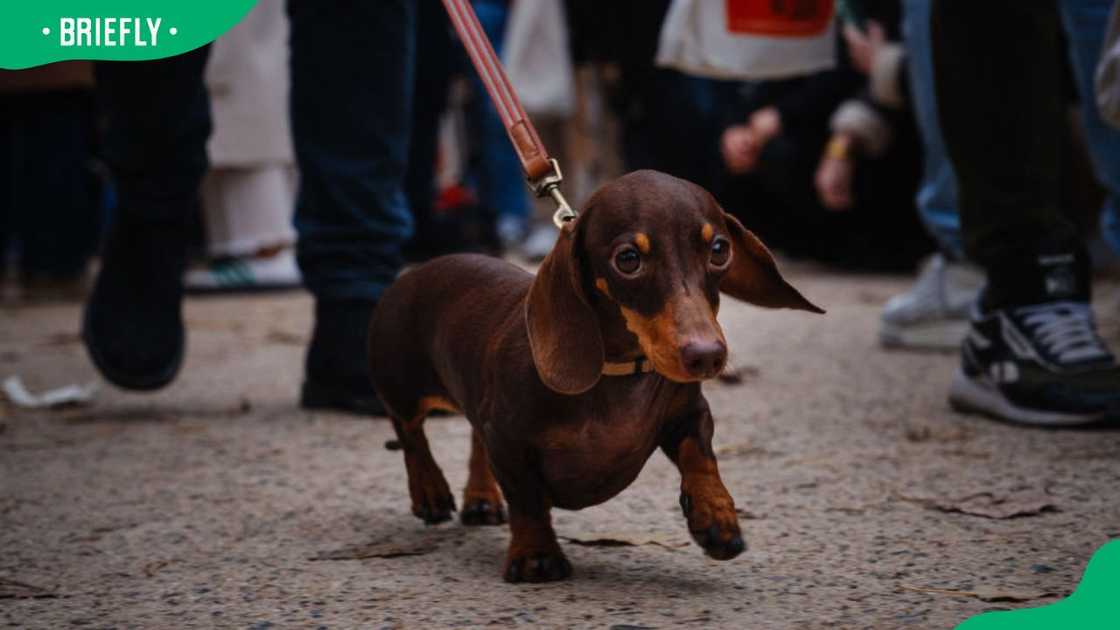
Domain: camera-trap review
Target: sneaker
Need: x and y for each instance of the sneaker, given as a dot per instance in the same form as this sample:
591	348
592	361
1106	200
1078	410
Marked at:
1041	365
246	273
337	368
933	314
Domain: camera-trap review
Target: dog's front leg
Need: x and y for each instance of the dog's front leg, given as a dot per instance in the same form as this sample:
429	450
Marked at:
705	501
534	552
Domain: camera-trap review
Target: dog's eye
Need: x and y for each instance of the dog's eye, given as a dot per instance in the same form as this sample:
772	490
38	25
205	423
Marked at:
721	252
627	260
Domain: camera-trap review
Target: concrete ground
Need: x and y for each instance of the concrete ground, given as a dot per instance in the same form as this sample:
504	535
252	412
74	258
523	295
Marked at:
217	502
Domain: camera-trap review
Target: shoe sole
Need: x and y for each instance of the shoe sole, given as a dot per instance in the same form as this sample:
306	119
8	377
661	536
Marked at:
940	335
146	382
970	396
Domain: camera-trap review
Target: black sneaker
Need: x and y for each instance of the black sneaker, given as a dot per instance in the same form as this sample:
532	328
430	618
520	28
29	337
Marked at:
1042	365
337	369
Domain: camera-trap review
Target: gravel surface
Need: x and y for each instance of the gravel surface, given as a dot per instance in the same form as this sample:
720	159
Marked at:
217	502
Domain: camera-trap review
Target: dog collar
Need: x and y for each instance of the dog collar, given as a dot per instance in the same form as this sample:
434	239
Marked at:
641	365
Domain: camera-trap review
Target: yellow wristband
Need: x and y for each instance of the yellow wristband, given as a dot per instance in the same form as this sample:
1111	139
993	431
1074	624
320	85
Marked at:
839	148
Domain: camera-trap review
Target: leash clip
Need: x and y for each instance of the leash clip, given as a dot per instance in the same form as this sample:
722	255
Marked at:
549	186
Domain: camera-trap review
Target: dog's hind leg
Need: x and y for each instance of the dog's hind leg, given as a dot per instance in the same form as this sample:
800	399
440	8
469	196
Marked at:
482	500
431	496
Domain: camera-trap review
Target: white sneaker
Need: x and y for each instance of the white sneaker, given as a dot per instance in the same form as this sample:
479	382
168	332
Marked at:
247	273
934	313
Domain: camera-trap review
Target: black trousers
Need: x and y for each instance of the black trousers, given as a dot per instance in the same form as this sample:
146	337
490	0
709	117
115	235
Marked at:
1001	95
352	67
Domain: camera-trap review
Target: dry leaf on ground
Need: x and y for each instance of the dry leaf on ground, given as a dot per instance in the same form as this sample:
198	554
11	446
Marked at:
61	339
627	540
745	449
382	549
1026	502
985	593
13	589
927	431
284	337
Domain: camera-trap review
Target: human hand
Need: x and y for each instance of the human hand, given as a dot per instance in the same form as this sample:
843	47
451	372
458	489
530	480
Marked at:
863	47
834	177
739	148
766	124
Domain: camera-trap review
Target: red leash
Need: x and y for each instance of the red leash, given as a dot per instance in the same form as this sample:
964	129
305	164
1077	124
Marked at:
541	171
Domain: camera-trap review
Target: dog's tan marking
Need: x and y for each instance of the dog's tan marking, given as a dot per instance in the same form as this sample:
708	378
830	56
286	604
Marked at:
429	404
657	336
482	499
642	241
601	284
707	232
660	335
711	506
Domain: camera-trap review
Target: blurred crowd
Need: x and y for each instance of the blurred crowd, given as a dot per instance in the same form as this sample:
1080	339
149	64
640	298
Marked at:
325	144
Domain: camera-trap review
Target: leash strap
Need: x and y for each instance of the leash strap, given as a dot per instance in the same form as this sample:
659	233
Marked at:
541	171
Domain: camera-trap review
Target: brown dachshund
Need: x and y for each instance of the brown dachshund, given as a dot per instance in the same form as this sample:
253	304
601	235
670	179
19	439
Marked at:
572	379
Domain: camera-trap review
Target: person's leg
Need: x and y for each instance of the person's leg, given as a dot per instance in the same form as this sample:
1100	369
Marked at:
351	103
8	178
933	313
497	170
158	120
58	188
433	78
1032	354
937	194
249	236
998	70
1085	22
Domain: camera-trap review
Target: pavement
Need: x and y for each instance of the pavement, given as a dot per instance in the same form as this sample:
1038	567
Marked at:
217	502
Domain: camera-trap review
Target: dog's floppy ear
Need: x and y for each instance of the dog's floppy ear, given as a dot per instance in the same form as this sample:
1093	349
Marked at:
753	276
564	334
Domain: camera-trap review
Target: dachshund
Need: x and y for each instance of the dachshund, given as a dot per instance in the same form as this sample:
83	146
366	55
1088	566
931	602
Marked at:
572	379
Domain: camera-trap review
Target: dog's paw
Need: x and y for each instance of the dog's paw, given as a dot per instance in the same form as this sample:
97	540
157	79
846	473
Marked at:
432	502
714	526
538	567
482	511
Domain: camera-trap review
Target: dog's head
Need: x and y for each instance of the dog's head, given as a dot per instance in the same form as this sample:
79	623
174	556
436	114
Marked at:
659	250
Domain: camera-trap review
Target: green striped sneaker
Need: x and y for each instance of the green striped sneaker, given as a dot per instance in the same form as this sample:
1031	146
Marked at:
246	274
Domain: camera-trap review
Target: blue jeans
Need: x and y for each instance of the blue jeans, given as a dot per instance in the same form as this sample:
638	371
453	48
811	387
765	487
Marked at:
1085	22
496	170
351	98
351	102
937	193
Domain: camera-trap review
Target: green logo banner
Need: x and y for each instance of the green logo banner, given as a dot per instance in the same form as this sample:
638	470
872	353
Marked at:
1095	605
35	32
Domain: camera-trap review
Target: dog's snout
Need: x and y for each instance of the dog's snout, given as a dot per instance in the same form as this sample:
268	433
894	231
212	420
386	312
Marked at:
704	359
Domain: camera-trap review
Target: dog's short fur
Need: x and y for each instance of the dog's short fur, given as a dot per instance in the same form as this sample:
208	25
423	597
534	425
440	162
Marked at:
523	358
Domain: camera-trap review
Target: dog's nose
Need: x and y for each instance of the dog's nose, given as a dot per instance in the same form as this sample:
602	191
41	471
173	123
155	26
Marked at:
703	359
